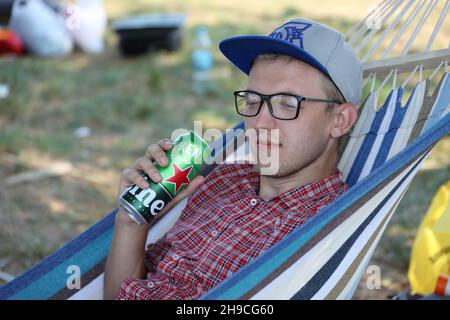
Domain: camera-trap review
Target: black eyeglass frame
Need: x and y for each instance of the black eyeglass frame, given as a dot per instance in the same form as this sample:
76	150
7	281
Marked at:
267	97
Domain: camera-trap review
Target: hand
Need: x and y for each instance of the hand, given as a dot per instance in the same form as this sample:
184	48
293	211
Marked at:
133	175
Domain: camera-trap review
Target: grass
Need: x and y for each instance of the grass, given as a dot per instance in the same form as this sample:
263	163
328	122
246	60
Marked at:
131	102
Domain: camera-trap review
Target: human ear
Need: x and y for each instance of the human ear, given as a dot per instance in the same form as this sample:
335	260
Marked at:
345	116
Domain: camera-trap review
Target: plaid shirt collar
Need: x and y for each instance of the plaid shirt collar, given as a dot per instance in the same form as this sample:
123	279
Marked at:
309	192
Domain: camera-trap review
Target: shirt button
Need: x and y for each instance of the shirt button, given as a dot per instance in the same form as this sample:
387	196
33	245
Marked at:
253	202
277	222
176	257
150	284
214	233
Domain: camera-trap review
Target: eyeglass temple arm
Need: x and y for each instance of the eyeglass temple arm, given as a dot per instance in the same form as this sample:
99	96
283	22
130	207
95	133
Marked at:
320	100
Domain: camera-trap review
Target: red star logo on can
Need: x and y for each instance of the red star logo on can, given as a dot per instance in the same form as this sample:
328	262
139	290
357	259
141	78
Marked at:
180	177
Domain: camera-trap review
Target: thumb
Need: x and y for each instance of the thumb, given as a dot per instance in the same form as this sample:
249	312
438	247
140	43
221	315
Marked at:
190	188
194	184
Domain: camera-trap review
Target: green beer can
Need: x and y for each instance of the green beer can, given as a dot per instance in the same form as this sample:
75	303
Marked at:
186	159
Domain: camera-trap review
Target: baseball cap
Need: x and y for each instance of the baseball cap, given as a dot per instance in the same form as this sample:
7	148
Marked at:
314	43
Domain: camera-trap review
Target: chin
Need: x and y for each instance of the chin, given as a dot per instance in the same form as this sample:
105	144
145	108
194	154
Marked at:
268	162
275	171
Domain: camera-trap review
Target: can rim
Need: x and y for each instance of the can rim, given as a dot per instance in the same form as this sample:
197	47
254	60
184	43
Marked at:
136	216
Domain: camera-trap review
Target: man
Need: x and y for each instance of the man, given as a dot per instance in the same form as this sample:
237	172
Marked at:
304	82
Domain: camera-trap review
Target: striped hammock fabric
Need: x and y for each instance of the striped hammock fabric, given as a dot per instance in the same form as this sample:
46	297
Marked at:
322	259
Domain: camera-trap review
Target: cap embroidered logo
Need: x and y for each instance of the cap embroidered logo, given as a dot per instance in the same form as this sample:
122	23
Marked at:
291	33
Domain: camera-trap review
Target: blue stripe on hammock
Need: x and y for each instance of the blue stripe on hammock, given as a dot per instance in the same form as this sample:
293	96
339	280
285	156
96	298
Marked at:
225	142
49	276
51	283
399	114
322	276
369	139
258	269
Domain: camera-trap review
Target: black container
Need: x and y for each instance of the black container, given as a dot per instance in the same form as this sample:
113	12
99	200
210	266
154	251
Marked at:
142	33
5	11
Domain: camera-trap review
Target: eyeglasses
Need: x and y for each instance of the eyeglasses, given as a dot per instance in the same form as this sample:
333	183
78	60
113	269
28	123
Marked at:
283	106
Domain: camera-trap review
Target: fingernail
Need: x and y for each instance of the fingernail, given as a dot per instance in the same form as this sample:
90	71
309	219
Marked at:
156	177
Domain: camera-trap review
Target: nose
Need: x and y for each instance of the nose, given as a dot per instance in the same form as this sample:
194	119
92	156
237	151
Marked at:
264	119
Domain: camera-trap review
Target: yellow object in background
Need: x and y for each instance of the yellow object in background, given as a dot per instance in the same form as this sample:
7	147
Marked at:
431	250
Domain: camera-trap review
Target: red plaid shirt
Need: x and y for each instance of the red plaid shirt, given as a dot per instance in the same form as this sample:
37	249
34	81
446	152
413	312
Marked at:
224	226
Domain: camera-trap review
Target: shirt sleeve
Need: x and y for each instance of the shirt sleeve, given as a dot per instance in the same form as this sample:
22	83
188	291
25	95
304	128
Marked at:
128	290
154	253
136	289
132	289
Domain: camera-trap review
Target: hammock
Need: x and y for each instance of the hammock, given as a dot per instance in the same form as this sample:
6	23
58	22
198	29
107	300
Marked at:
325	257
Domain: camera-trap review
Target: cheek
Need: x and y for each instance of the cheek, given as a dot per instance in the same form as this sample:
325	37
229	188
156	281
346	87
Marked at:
293	140
316	126
295	144
302	137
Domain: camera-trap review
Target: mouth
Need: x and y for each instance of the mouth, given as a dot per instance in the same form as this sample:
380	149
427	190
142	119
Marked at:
268	144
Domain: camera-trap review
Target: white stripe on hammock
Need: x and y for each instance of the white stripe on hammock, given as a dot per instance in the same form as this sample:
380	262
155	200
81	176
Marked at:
407	125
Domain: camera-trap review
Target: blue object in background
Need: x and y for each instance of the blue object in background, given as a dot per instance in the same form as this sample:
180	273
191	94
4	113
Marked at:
202	60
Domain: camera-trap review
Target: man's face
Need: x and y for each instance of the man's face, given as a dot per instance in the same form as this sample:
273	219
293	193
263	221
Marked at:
302	140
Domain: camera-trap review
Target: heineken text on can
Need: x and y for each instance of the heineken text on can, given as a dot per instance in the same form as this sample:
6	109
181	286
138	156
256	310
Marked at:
186	158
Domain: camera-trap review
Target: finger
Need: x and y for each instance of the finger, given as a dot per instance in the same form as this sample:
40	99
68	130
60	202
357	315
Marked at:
155	152
131	176
190	188
144	164
194	184
165	144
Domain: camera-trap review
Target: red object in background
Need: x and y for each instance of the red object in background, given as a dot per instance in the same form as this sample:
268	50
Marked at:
10	42
443	285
